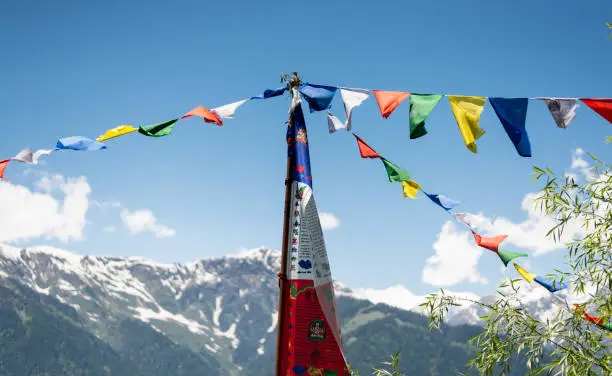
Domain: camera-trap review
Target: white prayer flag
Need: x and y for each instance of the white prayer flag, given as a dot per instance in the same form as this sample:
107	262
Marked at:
563	110
227	111
352	98
333	123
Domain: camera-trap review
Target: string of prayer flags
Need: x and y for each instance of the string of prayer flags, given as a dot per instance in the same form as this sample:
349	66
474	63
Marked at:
467	111
204	113
442	201
603	324
410	188
563	110
269	93
158	130
227	111
421	106
389	100
79	143
319	97
116	132
547	283
364	149
333	123
3	165
512	112
603	106
351	99
395	173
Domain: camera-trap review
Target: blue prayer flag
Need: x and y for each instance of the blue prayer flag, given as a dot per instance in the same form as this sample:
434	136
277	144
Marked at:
444	202
79	143
548	284
512	112
269	93
298	147
319	97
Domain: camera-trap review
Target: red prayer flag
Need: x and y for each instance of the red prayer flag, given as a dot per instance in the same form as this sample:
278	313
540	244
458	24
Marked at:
389	100
204	113
364	149
603	106
489	243
3	165
587	317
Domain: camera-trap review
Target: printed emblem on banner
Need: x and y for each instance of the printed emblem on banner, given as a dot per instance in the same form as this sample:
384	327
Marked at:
554	106
316	330
313	371
305	264
301	137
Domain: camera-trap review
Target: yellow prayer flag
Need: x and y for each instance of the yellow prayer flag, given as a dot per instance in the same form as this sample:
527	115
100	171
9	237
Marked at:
467	112
116	132
410	188
529	277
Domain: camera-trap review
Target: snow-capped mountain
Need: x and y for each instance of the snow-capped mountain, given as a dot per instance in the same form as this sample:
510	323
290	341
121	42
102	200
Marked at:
222	311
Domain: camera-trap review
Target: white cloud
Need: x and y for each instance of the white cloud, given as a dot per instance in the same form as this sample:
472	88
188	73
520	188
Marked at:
328	221
144	220
455	259
29	215
529	234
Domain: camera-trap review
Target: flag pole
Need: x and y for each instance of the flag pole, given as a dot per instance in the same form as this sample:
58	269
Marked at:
293	84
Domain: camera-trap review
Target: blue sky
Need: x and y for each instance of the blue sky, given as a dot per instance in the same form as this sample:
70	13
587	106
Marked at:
70	68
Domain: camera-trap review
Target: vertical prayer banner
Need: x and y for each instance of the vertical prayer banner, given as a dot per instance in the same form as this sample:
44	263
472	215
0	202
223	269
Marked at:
311	336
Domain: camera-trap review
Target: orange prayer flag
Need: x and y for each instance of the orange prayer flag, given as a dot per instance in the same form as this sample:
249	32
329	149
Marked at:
603	106
389	100
3	165
364	149
489	243
204	113
593	319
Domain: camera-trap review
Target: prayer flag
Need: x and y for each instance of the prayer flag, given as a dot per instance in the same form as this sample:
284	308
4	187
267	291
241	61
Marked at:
158	130
269	93
465	218
491	243
24	156
444	202
603	324
512	112
549	284
227	111
603	106
351	99
410	188
467	111
333	123
389	100
319	97
563	110
204	113
395	173
364	149
529	277
310	337
116	132
79	143
39	153
421	105
3	165
507	256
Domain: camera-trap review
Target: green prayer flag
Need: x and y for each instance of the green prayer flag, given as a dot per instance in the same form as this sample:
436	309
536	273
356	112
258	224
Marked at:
395	173
158	130
507	256
421	105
